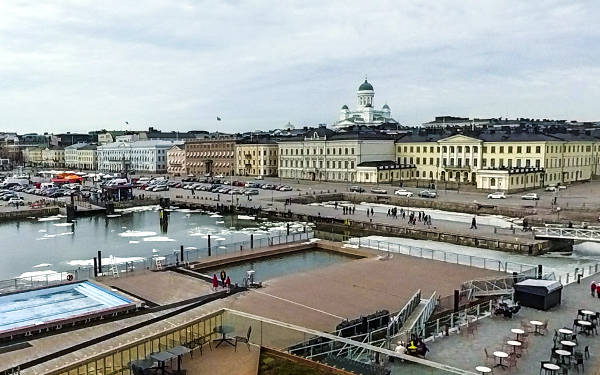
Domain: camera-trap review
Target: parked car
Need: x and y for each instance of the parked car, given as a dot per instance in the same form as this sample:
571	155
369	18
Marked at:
403	193
550	188
378	191
251	192
427	194
259	178
285	188
497	195
160	188
530	197
562	187
15	200
357	189
219	176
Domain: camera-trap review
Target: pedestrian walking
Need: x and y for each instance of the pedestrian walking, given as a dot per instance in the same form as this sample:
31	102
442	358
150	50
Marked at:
371	211
228	284
474	223
215	283
367	212
593	288
223	277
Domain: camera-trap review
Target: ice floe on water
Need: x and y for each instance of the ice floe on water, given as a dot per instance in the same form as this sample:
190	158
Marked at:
219	222
50	218
137	233
158	239
138	209
63	224
109	260
42	230
48	236
48	275
113	215
216	215
190	248
42	265
134	241
246	217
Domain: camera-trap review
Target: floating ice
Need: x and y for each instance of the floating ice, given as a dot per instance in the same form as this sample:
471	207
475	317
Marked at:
110	260
50	218
113	215
246	217
42	230
158	239
190	248
63	224
133	241
49	275
219	222
135	233
42	265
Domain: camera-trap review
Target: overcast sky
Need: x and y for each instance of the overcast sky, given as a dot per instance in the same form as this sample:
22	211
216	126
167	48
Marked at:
82	65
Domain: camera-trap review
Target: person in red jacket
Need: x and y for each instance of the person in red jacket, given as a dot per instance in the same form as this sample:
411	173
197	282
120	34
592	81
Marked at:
593	288
215	282
228	283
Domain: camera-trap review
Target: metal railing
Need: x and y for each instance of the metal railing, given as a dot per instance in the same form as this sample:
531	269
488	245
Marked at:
418	328
567	233
19	284
444	256
443	325
399	319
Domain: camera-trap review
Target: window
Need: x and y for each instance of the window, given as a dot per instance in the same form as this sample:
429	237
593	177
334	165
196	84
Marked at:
474	148
538	149
431	149
492	181
352	150
467	149
528	162
519	149
484	162
452	149
528	148
493	150
502	149
346	151
418	149
459	148
537	163
444	148
411	149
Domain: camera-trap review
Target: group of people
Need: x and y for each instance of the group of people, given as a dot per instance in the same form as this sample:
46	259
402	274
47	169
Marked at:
225	281
416	347
595	289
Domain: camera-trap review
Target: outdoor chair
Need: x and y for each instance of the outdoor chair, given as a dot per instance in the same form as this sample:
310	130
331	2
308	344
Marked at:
511	362
576	325
554	358
580	314
244	339
544	327
579	361
198	343
574	338
524	346
489	357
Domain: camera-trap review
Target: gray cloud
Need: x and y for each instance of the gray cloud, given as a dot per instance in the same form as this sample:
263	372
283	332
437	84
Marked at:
79	65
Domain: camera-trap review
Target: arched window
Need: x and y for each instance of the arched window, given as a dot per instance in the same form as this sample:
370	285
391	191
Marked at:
492	181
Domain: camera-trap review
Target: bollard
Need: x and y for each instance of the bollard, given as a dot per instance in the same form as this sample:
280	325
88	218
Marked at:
99	261
288	229
181	253
95	267
252	241
539	272
456	300
209	245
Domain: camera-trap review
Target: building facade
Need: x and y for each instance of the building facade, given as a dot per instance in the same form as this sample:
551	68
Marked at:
87	158
257	157
365	113
324	155
136	157
53	157
498	160
212	156
176	165
72	155
32	156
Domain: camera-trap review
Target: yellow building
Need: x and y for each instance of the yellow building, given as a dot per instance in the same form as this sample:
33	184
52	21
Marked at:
32	156
499	160
258	157
176	161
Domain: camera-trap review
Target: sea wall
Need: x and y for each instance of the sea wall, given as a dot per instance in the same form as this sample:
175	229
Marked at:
25	213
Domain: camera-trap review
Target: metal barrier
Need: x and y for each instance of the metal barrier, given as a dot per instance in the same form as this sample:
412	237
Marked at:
19	284
444	256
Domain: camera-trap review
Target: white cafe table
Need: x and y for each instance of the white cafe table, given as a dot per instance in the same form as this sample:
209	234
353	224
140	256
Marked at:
515	345
501	356
537	324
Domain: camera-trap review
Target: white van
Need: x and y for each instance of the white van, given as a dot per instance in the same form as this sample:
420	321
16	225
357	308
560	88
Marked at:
117	181
47	185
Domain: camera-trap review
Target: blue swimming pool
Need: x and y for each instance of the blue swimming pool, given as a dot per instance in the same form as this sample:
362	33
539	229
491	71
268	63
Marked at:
41	306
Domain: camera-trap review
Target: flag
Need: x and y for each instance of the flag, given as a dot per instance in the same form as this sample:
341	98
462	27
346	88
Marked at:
218	118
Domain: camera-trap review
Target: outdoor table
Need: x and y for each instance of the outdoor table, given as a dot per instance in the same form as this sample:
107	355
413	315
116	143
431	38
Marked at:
179	351
518	332
224	330
563	354
514	345
552	367
568	344
565	332
587	313
500	355
536	325
483	369
161	358
584	324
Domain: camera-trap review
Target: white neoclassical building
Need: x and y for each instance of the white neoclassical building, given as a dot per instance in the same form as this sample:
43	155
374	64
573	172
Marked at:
324	155
365	113
138	157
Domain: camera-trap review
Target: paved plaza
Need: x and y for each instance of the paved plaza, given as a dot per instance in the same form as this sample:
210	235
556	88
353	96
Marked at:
466	350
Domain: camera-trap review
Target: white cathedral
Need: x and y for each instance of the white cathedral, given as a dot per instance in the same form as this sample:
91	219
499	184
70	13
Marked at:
365	114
